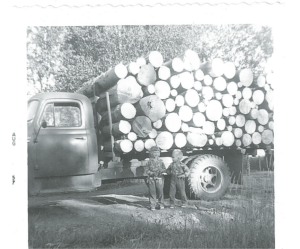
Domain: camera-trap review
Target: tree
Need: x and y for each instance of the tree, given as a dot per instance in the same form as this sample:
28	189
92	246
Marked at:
74	55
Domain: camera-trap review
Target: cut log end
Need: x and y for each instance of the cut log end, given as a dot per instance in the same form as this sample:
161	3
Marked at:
139	145
156	59
164	140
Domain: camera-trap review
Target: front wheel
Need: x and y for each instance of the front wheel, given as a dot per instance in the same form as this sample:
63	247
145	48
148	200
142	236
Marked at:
209	177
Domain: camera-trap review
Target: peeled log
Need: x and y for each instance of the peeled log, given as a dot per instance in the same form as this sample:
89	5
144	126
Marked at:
148	90
207	80
198	120
164	140
179	140
157	124
133	68
227	138
220	84
139	145
162	89
185	127
120	128
185	113
209	128
174	93
197	140
125	91
201	107
240	120
172	122
232	88
271	125
232	110
192	97
253	114
238	132
199	75
122	111
155	58
238	94
267	137
258	97
197	86
219	141
141	125
238	143
221	124
132	136
231	120
191	60
260	128
186	80
225	112
110	78
174	81
214	110
245	106
247	93
218	95
247	140
262	117
227	100
153	133
152	107
245	76
123	146
149	143
175	65
260	81
256	138
170	105
250	126
141	61
229	70
164	73
146	75
214	68
207	92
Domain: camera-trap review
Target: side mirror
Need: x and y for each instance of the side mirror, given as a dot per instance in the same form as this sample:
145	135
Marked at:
44	124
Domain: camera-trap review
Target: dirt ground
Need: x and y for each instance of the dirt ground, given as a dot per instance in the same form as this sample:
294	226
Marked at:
98	209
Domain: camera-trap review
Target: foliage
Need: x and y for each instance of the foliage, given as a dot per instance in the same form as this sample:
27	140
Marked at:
70	56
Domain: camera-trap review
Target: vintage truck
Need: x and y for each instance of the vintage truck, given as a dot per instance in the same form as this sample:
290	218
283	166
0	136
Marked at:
63	152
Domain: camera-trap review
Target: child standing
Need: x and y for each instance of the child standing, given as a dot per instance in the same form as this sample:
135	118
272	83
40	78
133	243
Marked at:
178	171
155	181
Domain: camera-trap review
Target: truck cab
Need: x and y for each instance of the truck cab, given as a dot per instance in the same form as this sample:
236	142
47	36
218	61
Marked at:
64	153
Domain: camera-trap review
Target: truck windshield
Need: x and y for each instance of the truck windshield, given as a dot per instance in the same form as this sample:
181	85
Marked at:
31	109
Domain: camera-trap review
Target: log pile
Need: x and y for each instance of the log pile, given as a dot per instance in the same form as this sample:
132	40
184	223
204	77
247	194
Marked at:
184	103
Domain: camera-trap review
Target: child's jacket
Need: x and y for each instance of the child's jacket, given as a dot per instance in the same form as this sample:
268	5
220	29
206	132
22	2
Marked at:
178	168
155	168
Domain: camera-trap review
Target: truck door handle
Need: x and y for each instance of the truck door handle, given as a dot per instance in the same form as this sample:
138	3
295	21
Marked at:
81	138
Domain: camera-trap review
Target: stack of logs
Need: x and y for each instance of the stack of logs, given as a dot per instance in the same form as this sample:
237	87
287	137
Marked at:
184	104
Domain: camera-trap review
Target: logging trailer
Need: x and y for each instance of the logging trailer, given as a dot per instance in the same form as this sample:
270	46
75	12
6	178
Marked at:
63	153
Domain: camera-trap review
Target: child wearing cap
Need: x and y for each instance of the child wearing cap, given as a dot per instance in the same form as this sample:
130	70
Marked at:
178	171
155	170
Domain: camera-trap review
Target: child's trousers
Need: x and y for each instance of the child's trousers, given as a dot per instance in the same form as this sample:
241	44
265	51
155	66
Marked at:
177	183
156	187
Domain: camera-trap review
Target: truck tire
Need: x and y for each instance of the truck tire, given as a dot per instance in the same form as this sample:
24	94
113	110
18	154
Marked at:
209	178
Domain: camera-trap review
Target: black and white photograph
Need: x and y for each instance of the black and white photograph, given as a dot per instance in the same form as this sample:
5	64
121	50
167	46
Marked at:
150	134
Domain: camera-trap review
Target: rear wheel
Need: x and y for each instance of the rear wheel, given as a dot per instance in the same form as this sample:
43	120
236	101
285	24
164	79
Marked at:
209	178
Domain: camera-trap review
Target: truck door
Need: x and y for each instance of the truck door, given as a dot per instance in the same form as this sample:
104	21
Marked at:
61	148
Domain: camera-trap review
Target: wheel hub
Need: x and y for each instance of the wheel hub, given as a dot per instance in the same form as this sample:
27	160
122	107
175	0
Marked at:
210	179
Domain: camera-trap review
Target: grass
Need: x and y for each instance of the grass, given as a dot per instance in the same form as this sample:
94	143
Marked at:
252	227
